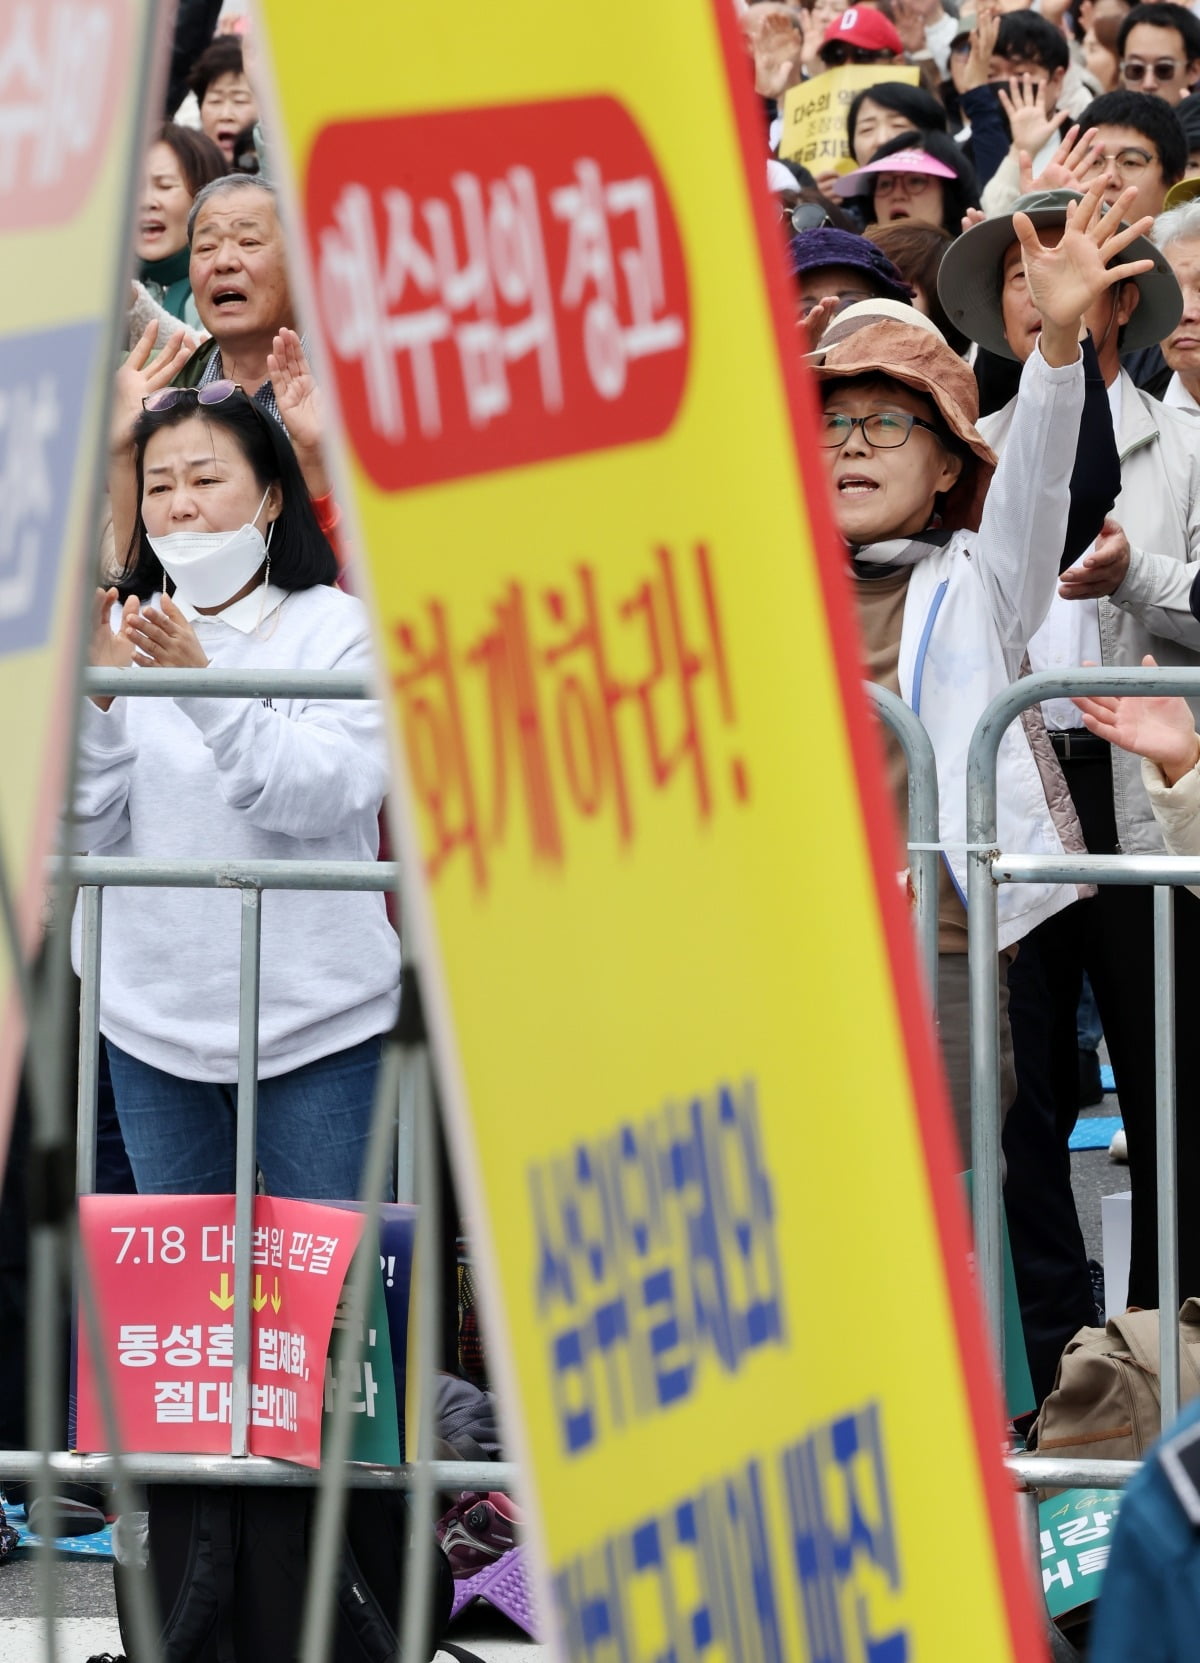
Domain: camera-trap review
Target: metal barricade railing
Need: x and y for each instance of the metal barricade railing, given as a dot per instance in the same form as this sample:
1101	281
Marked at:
410	1099
988	867
924	834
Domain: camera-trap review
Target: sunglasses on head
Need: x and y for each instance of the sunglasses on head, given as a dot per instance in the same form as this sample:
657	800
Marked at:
809	216
216	392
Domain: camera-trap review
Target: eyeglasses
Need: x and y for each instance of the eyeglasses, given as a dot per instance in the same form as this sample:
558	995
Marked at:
1162	69
1128	162
807	216
886	430
838	53
844	298
216	392
902	184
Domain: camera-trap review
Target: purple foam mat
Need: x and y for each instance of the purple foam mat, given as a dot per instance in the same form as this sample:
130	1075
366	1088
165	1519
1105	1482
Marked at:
505	1585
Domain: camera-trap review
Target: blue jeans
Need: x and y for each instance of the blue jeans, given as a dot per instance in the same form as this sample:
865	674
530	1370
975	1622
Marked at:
313	1126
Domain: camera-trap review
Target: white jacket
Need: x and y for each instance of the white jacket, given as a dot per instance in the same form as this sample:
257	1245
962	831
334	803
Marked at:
234	779
1159	510
968	616
1177	810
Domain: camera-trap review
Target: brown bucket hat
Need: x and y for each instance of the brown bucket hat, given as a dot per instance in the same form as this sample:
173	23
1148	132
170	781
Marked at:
920	359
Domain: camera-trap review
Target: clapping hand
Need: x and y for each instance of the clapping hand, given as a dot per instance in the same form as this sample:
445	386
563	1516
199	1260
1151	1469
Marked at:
163	639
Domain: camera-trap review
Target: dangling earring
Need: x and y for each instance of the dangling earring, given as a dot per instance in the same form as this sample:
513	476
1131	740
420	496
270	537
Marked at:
266	584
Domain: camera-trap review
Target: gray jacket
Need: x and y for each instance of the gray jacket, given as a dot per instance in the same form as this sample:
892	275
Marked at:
1159	510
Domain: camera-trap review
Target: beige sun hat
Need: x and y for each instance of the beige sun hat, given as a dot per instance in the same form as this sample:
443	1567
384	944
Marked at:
914	353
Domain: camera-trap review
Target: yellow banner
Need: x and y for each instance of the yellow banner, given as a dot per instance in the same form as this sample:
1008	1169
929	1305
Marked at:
72	80
815	132
691	1091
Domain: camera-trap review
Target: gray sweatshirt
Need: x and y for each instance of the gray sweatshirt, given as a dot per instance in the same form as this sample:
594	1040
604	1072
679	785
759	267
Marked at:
234	779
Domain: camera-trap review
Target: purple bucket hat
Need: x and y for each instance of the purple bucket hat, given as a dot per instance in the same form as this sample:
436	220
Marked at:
810	250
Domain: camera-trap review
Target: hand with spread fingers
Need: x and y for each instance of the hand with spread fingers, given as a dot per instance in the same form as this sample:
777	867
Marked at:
1065	169
1028	122
140	375
1066	277
1159	728
298	399
983	45
1103	571
164	639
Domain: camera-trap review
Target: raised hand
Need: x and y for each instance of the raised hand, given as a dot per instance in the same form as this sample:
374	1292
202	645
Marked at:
1066	168
1065	279
777	41
813	327
163	639
138	377
1160	728
983	45
1028	122
300	408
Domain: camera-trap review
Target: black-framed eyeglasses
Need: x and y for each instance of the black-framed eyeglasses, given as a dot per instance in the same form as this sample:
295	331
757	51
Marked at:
215	392
1163	70
837	53
885	430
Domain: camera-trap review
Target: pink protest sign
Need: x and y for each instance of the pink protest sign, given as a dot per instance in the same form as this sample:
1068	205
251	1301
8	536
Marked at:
162	1273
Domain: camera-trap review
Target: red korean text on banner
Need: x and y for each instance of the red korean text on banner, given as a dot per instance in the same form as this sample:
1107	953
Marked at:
162	1272
62	67
585	698
495	306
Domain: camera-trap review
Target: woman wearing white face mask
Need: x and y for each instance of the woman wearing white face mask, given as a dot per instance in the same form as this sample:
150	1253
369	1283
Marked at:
227	525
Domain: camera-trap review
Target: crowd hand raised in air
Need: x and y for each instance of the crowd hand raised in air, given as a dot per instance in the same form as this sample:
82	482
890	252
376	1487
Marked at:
139	376
1066	278
298	399
1160	728
1028	122
1066	168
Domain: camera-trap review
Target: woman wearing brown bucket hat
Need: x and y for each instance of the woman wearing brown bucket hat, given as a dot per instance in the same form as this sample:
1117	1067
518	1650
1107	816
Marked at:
955	558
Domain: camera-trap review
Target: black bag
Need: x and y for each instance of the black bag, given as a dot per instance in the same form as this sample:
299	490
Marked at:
230	1568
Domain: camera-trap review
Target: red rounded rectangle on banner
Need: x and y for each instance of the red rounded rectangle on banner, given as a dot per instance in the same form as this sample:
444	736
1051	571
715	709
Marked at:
490	306
62	72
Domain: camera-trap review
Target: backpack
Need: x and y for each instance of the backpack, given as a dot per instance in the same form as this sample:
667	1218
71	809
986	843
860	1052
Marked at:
1105	1404
230	1568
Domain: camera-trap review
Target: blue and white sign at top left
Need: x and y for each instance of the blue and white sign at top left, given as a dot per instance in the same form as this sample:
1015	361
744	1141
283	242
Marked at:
40	417
78	79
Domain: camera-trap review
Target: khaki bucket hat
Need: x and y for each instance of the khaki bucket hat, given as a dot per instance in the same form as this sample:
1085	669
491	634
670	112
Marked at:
920	359
970	278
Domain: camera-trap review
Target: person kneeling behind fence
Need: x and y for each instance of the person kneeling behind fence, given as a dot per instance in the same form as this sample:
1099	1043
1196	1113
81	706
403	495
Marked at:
235	779
955	558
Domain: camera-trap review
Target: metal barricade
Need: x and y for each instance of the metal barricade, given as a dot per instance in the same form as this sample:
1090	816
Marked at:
924	834
988	867
404	1096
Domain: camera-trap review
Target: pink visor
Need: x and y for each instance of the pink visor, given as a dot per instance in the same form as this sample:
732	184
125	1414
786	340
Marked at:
904	161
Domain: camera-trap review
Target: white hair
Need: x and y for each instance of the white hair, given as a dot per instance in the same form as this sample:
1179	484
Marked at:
1177	225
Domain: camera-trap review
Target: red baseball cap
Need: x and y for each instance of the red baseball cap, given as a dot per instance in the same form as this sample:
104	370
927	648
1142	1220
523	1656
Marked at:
864	26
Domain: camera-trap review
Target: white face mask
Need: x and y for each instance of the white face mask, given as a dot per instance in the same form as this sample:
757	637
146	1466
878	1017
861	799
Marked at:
209	567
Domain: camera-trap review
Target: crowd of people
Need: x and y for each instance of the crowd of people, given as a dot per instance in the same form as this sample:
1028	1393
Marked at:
998	290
